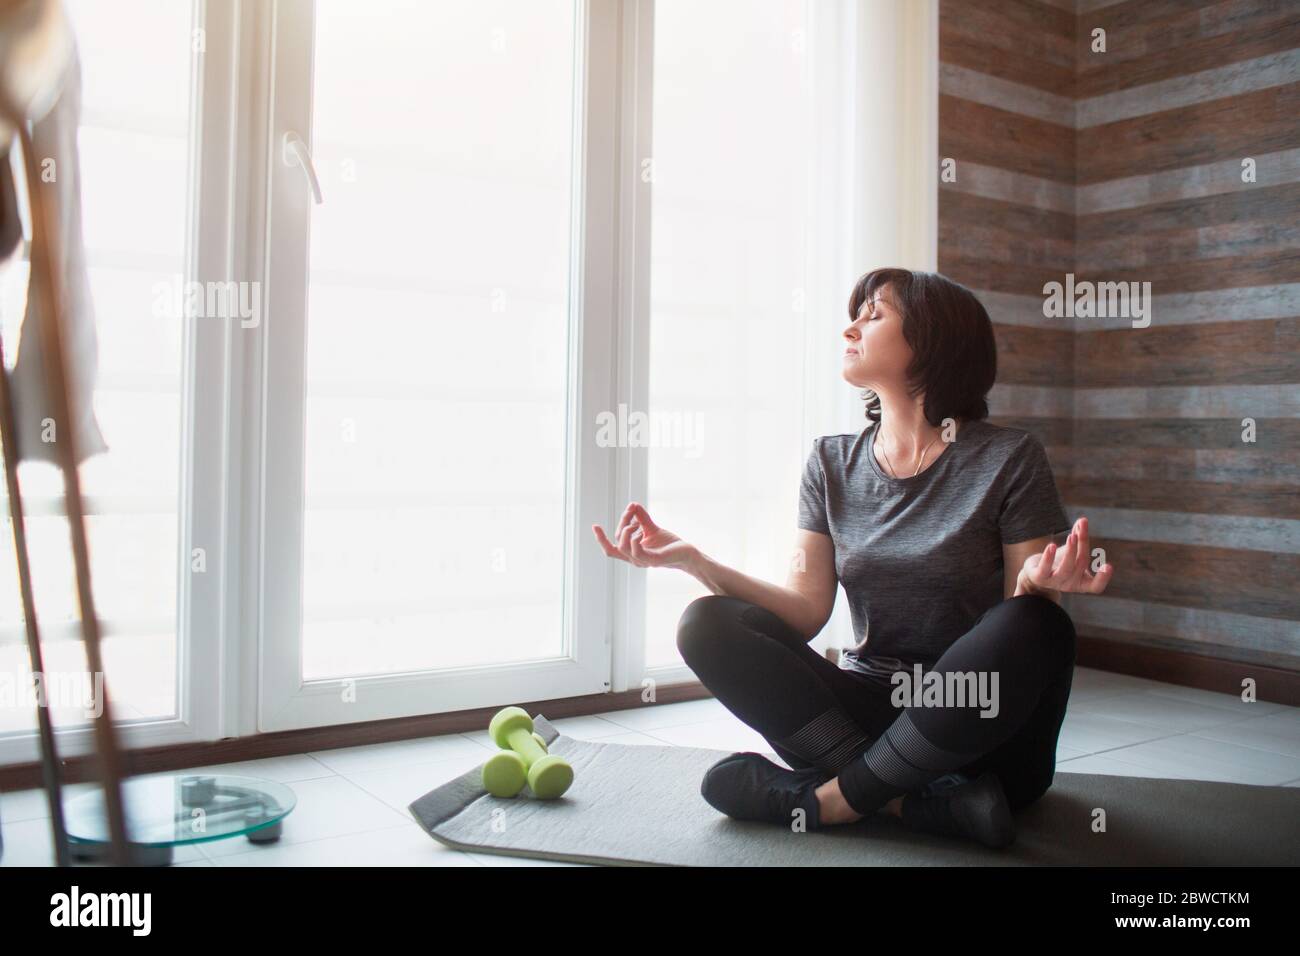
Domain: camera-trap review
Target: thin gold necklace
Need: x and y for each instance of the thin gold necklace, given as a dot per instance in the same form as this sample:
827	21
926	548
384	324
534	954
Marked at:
892	471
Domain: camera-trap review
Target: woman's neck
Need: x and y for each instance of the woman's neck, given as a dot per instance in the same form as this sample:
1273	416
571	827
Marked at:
905	434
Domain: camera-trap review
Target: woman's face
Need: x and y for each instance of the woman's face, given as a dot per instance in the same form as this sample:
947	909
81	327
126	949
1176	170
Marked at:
876	354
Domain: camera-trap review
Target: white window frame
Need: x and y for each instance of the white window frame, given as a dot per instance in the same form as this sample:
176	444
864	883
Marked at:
234	678
285	701
204	493
632	360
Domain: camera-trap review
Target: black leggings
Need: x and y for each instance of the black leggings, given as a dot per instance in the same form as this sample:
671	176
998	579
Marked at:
816	714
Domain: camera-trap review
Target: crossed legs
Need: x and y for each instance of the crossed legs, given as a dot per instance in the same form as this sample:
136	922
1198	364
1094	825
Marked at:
815	714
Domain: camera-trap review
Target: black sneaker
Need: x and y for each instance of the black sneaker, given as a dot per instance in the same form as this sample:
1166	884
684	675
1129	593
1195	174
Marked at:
748	786
977	810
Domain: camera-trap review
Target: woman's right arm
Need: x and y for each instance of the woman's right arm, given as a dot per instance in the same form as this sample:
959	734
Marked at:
805	602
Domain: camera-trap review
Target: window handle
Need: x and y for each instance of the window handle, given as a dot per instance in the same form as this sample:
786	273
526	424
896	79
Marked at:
294	151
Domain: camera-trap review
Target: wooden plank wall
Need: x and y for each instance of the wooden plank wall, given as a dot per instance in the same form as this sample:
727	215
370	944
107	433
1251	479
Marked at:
1127	166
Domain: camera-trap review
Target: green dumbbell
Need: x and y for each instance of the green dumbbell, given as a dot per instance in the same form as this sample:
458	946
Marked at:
506	773
523	758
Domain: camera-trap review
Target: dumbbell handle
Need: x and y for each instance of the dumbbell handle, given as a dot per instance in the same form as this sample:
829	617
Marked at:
522	743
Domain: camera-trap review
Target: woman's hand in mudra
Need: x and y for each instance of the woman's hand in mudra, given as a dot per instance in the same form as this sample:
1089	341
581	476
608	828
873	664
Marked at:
639	541
1064	569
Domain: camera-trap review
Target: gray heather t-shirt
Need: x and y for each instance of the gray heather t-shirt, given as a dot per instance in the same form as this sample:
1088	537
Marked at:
920	557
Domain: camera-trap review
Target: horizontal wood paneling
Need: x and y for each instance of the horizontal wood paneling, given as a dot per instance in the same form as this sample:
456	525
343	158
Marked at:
1219	669
1172	222
995	137
1024	42
1218	129
1274	464
1148	42
1222	579
1272	435
965	211
1144	426
1021	40
1257	352
1050	431
976	271
1263	500
1032	356
1281	264
1209	242
1007	247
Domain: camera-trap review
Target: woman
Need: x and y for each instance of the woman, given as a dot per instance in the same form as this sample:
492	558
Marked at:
939	525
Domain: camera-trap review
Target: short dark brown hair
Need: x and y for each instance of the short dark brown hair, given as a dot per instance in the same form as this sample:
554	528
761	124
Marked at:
956	356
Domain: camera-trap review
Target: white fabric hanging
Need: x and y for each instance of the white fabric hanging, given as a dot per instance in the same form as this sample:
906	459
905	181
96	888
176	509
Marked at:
54	141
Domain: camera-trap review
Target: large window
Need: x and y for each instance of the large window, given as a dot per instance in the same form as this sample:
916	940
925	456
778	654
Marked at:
728	290
474	232
134	144
437	335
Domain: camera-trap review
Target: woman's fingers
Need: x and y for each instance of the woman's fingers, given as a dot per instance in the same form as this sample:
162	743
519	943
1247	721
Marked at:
638	552
1071	572
1078	562
1064	571
608	545
636	546
643	518
1085	581
633	526
1084	574
1042	571
1059	556
1056	564
1070	563
622	523
1096	583
1100	579
634	533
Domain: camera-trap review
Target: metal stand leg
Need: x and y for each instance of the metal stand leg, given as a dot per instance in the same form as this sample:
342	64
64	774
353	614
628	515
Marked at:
49	757
44	247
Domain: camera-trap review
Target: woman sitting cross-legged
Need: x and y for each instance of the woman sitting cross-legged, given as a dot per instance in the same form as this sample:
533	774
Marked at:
940	526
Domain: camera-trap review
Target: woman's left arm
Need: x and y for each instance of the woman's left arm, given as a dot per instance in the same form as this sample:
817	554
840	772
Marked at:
1038	566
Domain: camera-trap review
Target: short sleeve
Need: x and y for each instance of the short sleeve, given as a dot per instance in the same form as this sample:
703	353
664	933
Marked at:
812	495
1031	504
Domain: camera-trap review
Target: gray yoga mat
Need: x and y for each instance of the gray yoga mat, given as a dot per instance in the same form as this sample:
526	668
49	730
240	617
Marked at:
633	804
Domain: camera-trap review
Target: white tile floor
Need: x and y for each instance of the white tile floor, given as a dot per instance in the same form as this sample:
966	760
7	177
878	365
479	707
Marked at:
352	802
